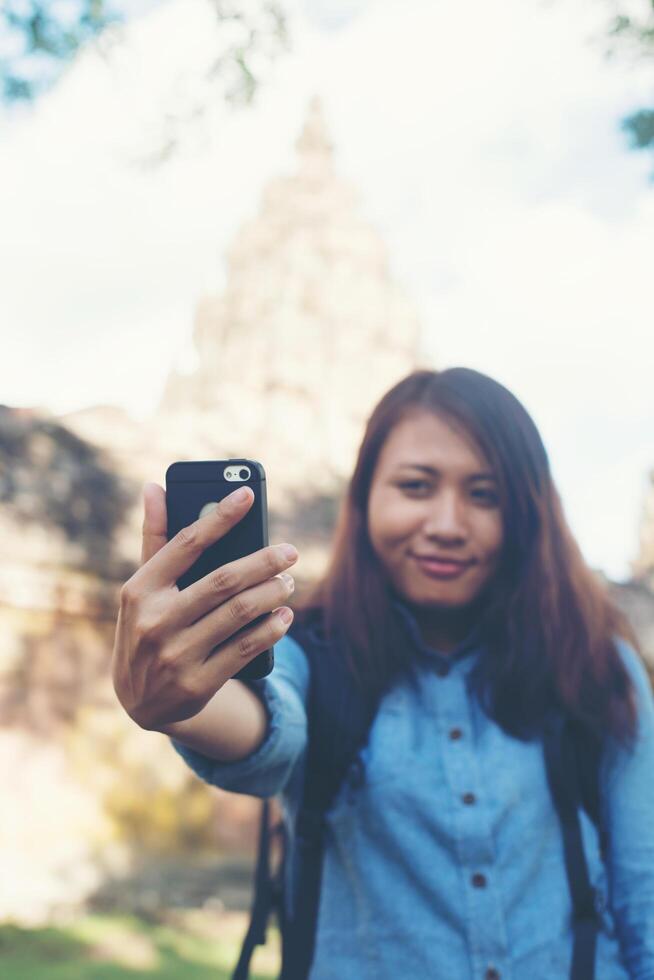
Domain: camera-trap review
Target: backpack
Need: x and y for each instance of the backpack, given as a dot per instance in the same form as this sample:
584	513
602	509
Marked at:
338	726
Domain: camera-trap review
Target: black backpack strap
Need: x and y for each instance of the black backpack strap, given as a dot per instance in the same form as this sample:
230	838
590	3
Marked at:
298	936
338	724
561	757
339	720
266	895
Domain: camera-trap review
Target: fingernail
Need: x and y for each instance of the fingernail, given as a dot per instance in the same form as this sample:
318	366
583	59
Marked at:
239	495
290	581
288	551
286	615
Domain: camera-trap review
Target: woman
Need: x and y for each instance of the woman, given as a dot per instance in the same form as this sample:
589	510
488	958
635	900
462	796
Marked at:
465	615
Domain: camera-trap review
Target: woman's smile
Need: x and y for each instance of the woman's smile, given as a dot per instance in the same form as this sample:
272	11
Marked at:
440	568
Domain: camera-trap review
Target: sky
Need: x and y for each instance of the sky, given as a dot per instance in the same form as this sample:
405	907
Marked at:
486	147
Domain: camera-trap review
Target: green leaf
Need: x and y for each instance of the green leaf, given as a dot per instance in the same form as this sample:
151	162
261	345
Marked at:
640	128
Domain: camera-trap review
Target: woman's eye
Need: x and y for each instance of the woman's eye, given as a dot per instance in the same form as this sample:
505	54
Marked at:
413	485
487	495
423	487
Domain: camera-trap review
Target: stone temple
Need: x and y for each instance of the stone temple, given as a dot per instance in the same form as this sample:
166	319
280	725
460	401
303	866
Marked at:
307	335
643	567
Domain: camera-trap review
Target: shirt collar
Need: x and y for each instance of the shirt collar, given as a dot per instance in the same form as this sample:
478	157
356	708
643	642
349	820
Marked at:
471	642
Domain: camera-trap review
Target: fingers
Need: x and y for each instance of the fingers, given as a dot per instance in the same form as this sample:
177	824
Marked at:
154	521
220	585
177	555
240	612
245	646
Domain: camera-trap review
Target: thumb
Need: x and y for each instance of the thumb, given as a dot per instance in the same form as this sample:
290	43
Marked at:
155	521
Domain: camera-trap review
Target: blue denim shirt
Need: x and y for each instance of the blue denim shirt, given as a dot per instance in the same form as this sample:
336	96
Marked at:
444	854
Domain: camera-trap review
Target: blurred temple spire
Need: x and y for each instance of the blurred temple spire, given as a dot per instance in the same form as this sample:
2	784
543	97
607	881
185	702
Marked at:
315	150
309	332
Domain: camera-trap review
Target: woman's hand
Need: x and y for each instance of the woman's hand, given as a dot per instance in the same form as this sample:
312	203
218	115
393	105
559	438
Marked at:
175	648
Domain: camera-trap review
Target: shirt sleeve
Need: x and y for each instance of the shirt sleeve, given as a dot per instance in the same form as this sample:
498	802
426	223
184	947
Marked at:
267	770
627	786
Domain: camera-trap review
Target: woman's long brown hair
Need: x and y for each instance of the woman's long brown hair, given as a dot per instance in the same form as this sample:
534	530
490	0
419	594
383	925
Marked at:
548	621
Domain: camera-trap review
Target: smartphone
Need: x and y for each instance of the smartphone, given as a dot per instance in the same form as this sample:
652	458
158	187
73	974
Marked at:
192	490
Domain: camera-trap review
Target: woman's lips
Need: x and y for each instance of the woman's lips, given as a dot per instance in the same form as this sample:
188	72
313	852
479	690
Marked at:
436	568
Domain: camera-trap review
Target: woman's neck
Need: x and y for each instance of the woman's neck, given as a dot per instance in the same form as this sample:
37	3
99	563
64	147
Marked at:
445	630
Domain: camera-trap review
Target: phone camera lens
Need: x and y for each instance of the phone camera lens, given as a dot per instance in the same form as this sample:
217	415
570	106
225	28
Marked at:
243	474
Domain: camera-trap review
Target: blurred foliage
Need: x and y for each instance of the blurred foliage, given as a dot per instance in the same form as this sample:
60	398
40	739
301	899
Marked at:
122	947
250	35
640	127
632	32
637	30
52	478
154	803
40	38
261	29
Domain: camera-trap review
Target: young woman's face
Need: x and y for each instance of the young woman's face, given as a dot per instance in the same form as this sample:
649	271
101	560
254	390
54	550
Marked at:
434	519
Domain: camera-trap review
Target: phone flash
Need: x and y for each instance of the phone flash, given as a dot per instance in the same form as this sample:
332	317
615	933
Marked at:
237	473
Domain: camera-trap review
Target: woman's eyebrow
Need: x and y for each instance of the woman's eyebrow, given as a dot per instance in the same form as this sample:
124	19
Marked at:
434	471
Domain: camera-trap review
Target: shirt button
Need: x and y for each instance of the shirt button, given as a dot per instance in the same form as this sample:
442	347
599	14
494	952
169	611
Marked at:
492	973
469	798
455	733
479	880
355	774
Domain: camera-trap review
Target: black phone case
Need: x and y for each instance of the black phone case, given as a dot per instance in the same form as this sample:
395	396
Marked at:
191	485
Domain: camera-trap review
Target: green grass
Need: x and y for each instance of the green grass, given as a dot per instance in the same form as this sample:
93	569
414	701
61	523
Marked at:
183	946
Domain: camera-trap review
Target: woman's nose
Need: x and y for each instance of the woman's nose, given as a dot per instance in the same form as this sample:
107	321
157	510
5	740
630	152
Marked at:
446	516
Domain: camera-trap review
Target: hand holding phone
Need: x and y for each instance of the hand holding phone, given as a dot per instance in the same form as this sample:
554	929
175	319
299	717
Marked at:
175	648
194	489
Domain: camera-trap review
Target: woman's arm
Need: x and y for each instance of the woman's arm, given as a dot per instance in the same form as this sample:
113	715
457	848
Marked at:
230	727
627	784
266	769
